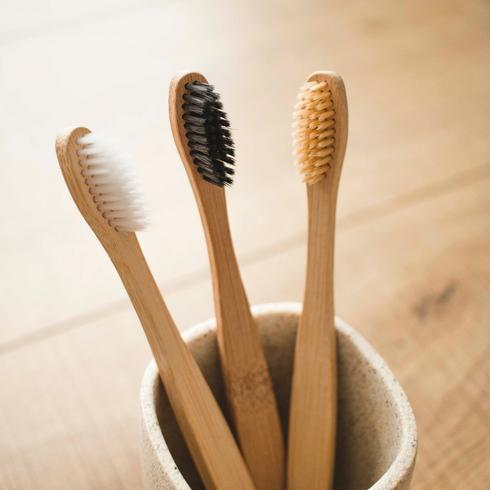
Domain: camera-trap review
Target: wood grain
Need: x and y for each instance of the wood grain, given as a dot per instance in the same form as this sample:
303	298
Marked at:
203	426
248	384
412	269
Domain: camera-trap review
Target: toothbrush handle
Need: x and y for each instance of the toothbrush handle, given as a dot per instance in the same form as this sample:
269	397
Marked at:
250	392
203	426
313	414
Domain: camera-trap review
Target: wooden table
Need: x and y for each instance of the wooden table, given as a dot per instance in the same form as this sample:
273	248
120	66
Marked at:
412	258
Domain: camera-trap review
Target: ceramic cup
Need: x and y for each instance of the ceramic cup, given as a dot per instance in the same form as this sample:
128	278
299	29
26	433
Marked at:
376	438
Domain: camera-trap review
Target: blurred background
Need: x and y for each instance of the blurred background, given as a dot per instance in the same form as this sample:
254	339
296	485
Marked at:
413	234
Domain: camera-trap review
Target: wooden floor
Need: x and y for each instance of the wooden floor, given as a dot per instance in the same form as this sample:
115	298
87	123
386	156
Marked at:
412	258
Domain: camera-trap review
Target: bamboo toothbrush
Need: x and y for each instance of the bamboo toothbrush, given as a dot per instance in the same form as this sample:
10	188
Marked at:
319	142
201	133
99	182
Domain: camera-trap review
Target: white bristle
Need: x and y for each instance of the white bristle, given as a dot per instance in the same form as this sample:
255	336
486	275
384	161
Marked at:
112	183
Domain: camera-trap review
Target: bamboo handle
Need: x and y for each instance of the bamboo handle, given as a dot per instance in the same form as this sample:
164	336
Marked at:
203	426
250	393
313	398
249	388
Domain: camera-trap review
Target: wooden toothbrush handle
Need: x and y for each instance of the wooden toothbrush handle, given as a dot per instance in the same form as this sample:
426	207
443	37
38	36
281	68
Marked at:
313	414
203	426
249	388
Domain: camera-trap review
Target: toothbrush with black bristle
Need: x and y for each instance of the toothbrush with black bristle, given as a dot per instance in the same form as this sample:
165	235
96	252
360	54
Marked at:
99	181
320	138
202	134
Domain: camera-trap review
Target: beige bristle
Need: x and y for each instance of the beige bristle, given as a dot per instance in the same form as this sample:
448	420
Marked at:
314	131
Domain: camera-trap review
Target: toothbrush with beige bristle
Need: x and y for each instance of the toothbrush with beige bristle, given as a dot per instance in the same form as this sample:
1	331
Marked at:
100	183
202	136
320	138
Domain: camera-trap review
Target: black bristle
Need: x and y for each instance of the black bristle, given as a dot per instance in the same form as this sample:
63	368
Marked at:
208	137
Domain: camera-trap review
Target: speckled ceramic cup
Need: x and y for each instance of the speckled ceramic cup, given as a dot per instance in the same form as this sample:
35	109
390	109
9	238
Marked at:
376	439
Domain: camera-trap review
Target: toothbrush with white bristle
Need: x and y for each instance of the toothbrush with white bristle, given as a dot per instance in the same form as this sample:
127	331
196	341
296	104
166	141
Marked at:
100	182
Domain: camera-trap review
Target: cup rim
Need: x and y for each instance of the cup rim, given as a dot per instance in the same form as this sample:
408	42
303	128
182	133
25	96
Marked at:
397	472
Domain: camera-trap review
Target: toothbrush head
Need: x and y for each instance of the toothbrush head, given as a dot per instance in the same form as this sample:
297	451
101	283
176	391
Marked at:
207	133
101	181
320	126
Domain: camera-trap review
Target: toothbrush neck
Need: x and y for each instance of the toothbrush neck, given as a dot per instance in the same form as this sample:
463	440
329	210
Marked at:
217	228
129	261
321	245
224	266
